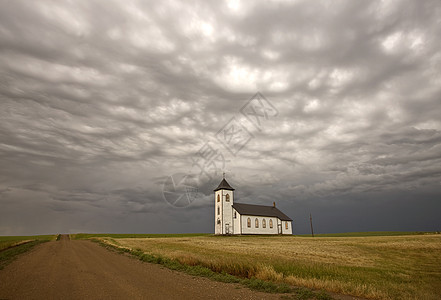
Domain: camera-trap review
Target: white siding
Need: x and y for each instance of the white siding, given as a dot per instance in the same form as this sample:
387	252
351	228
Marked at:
282	226
236	222
260	230
217	205
226	212
289	230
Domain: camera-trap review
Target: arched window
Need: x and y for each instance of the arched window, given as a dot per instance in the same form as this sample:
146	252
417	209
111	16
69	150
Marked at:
286	224
257	223
218	198
218	210
249	222
218	221
263	223
235	215
227	198
271	223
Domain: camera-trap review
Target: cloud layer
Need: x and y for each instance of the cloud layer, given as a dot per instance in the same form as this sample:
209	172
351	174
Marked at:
101	101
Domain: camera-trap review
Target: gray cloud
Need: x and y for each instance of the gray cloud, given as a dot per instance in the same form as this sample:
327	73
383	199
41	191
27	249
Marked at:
100	101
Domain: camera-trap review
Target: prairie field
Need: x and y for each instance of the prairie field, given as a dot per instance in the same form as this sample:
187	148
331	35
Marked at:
12	246
376	267
9	241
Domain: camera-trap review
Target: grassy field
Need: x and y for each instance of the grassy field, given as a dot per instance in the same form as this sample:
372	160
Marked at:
8	241
79	236
377	267
369	233
12	246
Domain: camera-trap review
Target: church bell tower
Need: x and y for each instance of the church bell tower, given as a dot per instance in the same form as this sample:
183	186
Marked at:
223	211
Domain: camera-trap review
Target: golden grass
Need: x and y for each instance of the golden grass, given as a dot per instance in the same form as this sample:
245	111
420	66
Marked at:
397	267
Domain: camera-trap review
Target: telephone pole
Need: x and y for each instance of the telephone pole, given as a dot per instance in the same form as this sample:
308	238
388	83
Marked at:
310	221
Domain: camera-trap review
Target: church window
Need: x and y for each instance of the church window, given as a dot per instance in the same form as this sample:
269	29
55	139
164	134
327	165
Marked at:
271	223
257	223
218	198
286	225
218	210
249	222
227	198
263	223
235	215
218	221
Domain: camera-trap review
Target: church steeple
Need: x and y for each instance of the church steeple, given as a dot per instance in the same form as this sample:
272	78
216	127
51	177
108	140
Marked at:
223	208
224	185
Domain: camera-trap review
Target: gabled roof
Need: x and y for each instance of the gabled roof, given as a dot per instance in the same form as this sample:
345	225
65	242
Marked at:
260	210
224	185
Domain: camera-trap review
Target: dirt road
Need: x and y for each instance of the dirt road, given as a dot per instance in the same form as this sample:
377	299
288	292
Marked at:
81	269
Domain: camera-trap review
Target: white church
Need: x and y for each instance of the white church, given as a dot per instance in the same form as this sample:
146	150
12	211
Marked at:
240	218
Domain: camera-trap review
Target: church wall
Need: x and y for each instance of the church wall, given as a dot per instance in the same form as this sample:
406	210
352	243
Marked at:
227	211
283	225
289	230
217	216
236	222
223	211
260	230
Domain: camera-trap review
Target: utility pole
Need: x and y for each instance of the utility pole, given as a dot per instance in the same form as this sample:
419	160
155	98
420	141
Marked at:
310	221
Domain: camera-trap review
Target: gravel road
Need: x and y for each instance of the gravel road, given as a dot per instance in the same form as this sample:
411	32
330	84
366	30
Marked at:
80	269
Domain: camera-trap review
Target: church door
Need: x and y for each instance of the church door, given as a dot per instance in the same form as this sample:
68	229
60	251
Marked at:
227	228
279	228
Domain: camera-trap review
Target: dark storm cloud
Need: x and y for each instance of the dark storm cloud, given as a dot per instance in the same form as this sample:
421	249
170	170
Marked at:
102	100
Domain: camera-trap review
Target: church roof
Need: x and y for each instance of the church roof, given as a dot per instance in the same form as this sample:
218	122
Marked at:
224	185
260	210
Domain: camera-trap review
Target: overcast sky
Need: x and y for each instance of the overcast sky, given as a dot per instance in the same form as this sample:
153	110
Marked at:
102	101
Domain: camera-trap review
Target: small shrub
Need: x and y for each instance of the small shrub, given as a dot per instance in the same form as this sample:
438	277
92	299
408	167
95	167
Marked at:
284	288
260	285
304	294
322	295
